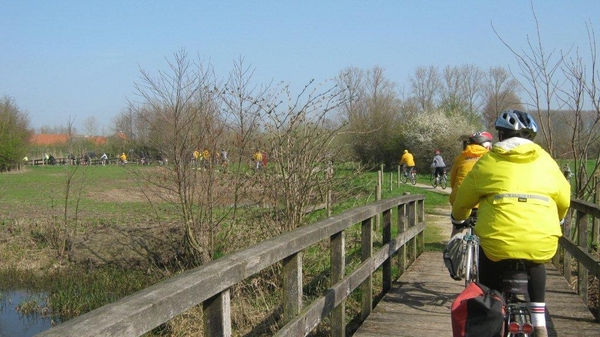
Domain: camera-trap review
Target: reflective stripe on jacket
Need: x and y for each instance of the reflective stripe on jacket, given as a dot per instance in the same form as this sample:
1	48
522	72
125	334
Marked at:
463	165
522	196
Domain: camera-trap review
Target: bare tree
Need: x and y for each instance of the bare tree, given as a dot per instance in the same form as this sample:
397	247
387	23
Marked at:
300	138
461	91
371	108
540	79
91	126
178	108
242	105
559	86
501	91
583	124
425	87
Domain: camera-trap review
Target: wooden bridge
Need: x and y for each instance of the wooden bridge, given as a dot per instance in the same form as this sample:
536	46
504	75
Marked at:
391	242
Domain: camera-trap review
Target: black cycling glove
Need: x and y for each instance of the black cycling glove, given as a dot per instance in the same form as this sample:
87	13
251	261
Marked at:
458	224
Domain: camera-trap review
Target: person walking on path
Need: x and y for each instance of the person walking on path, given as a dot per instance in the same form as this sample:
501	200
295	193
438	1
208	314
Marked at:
257	157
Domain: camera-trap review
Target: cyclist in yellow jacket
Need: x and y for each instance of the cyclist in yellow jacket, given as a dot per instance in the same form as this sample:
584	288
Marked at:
479	144
407	161
522	196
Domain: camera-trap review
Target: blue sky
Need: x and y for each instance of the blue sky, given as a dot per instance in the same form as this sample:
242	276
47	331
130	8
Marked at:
74	59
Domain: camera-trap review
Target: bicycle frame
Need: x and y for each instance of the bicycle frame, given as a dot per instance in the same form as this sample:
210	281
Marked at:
472	258
408	175
413	176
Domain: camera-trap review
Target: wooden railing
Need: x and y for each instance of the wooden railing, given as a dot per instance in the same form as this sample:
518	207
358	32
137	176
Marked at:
210	284
581	252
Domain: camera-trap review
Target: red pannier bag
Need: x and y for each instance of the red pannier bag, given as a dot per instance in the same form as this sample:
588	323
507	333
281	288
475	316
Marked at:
478	311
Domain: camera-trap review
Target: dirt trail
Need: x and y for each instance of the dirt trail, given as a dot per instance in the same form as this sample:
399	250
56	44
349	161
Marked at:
440	216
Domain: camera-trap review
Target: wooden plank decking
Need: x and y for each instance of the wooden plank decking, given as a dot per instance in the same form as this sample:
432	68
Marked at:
419	305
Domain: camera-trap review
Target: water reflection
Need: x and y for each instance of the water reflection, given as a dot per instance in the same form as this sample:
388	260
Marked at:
15	324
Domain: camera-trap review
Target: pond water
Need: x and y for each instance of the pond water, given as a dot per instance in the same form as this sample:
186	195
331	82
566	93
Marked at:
15	324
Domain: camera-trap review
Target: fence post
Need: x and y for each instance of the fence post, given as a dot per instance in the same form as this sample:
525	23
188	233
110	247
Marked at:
217	315
378	196
566	254
366	288
596	222
292	286
402	227
386	238
582	273
420	211
412	216
338	257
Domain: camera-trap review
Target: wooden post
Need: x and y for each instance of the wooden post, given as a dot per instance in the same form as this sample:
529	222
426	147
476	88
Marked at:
338	258
366	288
378	196
582	273
402	227
567	255
386	238
217	315
412	217
420	211
292	286
596	222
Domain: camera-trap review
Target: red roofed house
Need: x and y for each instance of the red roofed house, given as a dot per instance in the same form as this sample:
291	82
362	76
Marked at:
62	139
49	139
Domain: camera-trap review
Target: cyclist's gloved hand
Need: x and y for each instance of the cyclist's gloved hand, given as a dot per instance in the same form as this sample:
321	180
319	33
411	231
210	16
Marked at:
458	224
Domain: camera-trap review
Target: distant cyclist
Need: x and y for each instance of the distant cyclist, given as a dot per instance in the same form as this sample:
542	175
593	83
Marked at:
407	161
438	165
104	159
522	196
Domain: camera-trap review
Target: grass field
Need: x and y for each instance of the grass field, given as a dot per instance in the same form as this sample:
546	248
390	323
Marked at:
116	228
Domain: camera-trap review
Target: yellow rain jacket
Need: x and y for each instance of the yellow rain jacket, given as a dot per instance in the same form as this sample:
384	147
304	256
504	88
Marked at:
408	159
522	196
463	165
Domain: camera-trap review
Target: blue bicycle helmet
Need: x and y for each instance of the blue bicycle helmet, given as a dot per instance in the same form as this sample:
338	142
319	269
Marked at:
515	123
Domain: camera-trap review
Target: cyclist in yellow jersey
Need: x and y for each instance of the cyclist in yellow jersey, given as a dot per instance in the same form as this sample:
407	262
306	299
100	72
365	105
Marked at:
522	196
407	160
479	144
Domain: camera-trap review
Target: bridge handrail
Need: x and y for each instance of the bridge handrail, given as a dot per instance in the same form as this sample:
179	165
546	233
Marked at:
209	284
580	248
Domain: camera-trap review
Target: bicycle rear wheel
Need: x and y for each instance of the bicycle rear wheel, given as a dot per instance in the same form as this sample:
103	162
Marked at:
433	182
444	182
404	177
413	178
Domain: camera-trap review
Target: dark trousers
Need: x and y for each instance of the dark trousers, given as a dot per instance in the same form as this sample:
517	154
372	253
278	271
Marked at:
490	274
